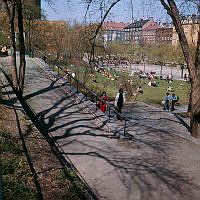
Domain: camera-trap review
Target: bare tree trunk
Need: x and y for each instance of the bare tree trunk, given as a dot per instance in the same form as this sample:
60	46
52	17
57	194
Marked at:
193	66
93	39
195	109
11	15
21	48
195	97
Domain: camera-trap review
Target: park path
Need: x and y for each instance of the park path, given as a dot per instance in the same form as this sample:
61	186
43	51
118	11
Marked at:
166	70
156	165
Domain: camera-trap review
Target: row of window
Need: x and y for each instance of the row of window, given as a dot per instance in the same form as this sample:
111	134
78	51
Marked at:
135	37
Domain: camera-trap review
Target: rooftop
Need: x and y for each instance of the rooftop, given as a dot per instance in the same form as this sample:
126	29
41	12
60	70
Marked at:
152	27
114	25
137	24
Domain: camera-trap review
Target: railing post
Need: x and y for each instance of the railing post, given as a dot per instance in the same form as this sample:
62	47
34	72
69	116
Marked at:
109	111
125	127
96	103
77	86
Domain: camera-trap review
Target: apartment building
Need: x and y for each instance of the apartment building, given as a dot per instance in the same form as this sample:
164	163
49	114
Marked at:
133	32
191	28
113	31
164	33
149	34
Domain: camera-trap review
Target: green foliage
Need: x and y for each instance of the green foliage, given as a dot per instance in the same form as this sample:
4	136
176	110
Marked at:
3	39
165	53
26	117
75	187
130	52
152	95
14	189
15	176
8	144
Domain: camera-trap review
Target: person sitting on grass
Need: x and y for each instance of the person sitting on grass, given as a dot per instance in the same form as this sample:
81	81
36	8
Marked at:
139	89
169	88
4	51
154	84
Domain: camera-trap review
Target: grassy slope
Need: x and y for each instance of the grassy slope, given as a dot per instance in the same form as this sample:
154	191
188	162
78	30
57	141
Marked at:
151	96
154	95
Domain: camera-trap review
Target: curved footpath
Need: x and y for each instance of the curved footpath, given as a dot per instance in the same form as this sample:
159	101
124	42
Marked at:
156	165
166	70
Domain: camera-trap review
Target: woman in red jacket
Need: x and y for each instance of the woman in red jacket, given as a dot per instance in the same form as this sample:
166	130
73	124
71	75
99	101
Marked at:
102	102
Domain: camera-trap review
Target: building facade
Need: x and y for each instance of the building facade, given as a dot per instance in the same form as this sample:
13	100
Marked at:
149	34
164	33
190	26
113	31
133	32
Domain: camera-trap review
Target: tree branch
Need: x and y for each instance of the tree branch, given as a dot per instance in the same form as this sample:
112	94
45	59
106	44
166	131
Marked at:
174	13
166	7
93	39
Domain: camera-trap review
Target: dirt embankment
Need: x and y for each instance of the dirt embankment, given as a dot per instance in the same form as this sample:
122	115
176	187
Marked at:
30	170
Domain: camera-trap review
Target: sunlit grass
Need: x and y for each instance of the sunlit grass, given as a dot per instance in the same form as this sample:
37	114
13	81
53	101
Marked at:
152	95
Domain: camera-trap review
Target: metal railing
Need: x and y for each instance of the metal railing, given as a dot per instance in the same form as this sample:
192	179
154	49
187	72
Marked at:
88	93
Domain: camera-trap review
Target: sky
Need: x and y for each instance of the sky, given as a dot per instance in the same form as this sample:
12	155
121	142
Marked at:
75	10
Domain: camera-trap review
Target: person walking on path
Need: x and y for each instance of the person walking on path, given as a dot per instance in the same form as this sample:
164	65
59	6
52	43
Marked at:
119	101
102	102
173	101
166	99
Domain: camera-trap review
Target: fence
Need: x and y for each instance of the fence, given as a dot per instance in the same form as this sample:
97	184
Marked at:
80	87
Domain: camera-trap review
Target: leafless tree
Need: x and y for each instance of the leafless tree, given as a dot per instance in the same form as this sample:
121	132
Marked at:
21	48
11	6
193	64
93	39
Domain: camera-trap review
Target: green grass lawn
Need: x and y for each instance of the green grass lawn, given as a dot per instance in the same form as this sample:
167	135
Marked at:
152	95
103	83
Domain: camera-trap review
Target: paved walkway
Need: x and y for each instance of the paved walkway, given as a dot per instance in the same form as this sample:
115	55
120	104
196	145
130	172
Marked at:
156	165
166	70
